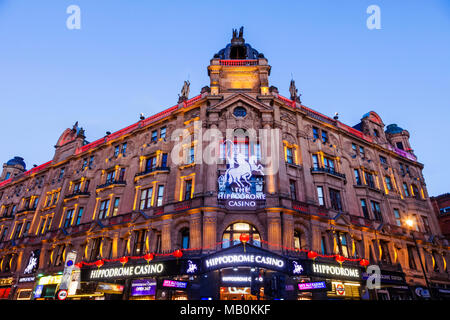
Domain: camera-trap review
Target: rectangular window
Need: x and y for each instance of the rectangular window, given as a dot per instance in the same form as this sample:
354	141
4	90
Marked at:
355	148
150	165
103	211
76	187
402	169
13	210
146	198
68	220
293	189
91	161
341	240
139	242
162	133
426	225
122	174
95	251
383	160
158	247
44	221
110	176
79	215
411	261
289	155
364	208
85	163
17	232
398	219
164	160
86	185
35	202
335	199
159	200
27	228
320	196
191	156
369	179
357	177
116	151
315	133
388	183
405	188
385	257
61	174
329	163
361	151
154	135
315	161
324	136
124	149
376	210
187	189
115	206
4	234
323	246
49	223
59	255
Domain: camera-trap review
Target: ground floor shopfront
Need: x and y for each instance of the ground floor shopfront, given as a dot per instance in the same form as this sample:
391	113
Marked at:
240	272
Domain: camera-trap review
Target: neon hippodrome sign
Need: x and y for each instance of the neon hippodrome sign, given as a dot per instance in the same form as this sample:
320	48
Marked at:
234	259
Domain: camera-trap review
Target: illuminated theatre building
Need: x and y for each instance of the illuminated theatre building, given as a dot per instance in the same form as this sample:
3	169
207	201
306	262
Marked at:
119	218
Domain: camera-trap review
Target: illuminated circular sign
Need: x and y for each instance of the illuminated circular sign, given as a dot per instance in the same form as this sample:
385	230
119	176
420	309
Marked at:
62	294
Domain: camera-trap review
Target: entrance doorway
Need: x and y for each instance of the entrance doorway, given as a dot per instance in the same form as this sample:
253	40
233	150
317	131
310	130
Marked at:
239	293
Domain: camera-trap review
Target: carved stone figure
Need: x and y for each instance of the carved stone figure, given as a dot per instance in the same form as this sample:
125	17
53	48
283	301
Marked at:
184	91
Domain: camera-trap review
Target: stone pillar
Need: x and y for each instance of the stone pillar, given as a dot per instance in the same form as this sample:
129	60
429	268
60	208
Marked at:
166	239
211	169
288	230
274	231
195	230
209	231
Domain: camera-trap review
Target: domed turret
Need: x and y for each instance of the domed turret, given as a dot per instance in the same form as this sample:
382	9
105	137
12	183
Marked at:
12	168
238	49
239	67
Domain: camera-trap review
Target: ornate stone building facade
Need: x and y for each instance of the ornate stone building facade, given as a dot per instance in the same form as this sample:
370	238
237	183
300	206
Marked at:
330	191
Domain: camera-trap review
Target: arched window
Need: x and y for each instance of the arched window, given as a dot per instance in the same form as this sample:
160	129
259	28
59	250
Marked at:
234	231
184	237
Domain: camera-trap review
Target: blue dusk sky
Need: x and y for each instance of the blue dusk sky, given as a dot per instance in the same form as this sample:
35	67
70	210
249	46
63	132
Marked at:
133	56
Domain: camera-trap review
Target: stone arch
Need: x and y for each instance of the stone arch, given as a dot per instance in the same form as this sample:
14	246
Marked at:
250	219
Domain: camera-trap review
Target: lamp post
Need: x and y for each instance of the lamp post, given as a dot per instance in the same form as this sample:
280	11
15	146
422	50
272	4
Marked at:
410	224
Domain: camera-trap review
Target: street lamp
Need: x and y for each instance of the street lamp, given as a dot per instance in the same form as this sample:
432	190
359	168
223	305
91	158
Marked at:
410	223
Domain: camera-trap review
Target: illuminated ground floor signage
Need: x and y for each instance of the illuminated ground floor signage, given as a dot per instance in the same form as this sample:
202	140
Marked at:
27	279
250	256
126	271
143	287
386	277
174	284
335	271
307	286
227	260
139	270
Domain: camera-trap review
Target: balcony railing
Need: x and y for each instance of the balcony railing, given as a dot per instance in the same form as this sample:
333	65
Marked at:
150	170
112	183
238	63
77	193
329	171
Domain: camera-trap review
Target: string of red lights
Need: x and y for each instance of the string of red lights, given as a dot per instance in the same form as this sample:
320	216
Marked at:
179	253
